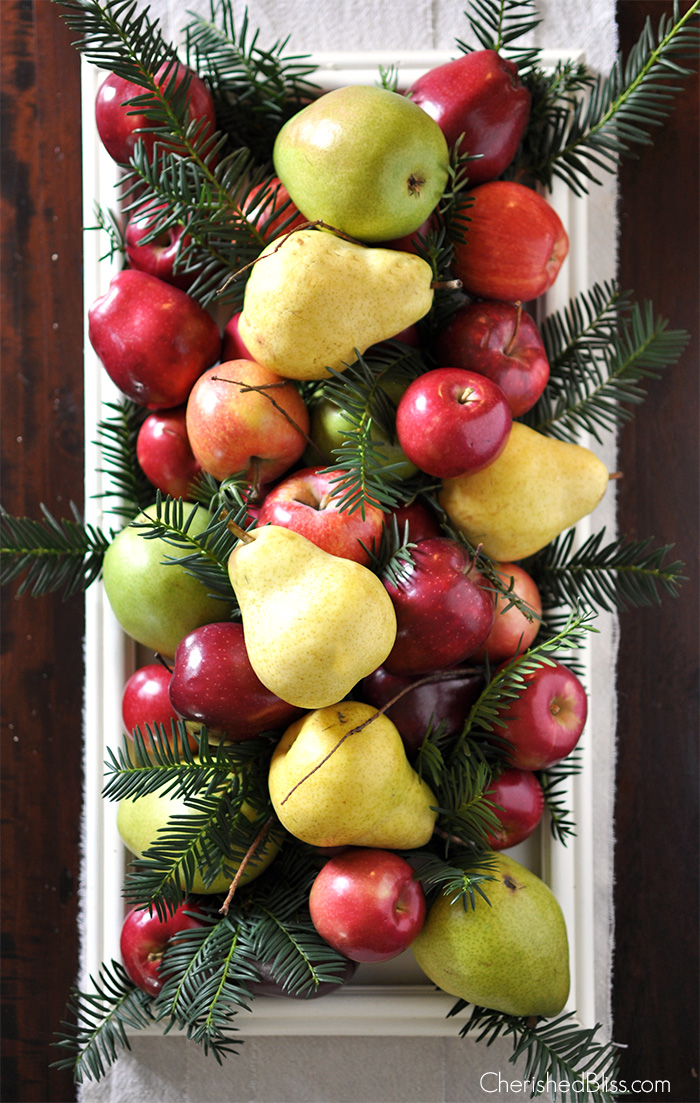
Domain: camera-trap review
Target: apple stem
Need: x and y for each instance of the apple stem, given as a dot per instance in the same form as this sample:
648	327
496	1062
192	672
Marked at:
472	564
223	910
163	662
465	395
519	313
446	285
263	389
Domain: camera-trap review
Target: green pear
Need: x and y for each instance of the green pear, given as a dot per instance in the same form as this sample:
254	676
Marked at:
366	160
510	954
314	624
140	819
156	603
363	791
312	299
536	488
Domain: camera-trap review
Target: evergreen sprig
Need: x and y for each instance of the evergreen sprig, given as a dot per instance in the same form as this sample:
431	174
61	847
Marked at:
53	555
553	781
116	36
116	440
462	877
498	24
100	1020
623	574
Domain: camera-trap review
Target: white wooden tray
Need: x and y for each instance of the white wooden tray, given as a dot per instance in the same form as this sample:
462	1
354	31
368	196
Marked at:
389	999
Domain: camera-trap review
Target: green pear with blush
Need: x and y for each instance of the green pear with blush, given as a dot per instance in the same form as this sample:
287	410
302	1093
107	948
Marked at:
340	777
314	300
509	954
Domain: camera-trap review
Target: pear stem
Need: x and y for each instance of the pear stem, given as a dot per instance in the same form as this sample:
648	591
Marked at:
223	910
446	285
239	532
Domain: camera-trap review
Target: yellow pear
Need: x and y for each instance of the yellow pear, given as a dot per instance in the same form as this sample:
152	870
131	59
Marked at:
510	954
365	793
314	624
536	488
314	298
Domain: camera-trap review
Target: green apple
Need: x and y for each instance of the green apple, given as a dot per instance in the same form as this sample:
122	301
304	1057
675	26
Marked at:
140	819
156	602
365	160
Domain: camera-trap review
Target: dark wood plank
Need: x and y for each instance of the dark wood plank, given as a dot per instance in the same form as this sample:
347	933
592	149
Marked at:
42	460
656	868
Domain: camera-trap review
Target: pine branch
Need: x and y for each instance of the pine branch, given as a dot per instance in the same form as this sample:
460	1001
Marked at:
552	781
116	36
53	555
623	574
558	1051
100	1021
295	955
499	23
116	439
462	877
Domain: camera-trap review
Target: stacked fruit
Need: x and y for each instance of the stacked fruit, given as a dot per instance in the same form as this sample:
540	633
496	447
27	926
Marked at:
340	662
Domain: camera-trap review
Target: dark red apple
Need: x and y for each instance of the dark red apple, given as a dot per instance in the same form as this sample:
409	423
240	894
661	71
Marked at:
164	453
515	244
307	502
450	421
444	610
244	419
120	126
519	799
367	904
502	342
544	722
513	631
422	520
157	256
153	339
445	699
144	939
146	703
481	98
214	684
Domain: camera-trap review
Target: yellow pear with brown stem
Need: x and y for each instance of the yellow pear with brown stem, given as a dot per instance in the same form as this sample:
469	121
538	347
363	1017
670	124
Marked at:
314	624
313	299
340	777
537	488
510	954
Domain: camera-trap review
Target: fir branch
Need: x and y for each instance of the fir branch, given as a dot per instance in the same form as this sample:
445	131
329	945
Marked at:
622	574
497	24
294	954
462	877
553	780
465	813
53	555
100	1021
116	36
116	439
558	1050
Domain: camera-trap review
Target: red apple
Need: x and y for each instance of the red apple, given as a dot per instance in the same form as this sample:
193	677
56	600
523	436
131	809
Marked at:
214	684
478	96
422	520
443	609
520	805
233	346
307	502
450	421
120	126
514	246
244	419
277	215
501	341
367	904
164	453
512	631
144	939
445	699
146	698
544	722
158	256
153	339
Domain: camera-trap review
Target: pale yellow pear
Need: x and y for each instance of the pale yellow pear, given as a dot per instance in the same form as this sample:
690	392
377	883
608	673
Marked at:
314	624
510	954
537	488
362	791
314	298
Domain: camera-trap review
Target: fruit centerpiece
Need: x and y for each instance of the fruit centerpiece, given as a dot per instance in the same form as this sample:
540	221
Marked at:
346	467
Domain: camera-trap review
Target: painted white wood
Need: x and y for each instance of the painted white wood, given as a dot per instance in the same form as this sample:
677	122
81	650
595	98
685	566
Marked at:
392	999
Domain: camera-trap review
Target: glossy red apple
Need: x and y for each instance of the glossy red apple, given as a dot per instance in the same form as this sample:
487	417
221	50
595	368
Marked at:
450	421
481	97
307	502
120	126
157	256
164	453
233	346
367	904
443	609
513	631
272	208
515	244
445	699
422	520
244	419
214	684
544	722
519	799
501	341
146	703
153	339
144	939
